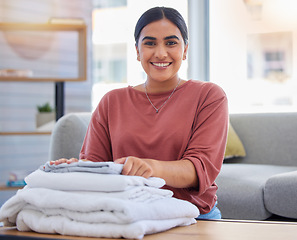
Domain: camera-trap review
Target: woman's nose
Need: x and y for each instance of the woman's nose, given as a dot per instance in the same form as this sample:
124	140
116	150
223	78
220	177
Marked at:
161	52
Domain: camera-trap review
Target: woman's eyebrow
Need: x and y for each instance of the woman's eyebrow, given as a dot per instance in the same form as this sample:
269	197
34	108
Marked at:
149	38
171	36
166	38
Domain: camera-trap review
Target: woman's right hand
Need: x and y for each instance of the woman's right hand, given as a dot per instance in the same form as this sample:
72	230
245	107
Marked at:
63	160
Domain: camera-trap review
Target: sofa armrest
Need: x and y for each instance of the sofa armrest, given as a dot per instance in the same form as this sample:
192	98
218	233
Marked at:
68	135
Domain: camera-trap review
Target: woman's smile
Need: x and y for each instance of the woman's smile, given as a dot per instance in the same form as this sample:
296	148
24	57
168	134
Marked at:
161	64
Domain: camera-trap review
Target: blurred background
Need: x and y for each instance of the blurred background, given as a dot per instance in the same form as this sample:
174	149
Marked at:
248	47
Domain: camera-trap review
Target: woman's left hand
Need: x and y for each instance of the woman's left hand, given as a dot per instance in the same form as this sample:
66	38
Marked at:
134	166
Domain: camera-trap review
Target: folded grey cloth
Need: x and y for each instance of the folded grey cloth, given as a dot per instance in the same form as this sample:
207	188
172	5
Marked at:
84	166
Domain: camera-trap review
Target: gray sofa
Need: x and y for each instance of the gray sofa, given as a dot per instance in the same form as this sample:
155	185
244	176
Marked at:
264	183
260	185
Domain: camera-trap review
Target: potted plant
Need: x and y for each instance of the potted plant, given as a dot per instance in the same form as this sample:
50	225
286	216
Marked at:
45	114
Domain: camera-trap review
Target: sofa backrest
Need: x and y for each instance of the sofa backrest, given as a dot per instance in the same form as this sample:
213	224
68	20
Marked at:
68	135
268	138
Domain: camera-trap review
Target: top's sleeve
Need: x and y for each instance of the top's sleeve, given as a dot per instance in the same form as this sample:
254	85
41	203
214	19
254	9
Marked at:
96	146
207	144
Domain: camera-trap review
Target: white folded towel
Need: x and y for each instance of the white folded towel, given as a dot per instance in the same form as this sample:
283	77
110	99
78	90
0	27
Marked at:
84	181
36	221
90	208
95	205
84	166
137	194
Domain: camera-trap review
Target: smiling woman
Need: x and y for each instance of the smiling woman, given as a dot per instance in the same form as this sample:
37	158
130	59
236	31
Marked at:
166	127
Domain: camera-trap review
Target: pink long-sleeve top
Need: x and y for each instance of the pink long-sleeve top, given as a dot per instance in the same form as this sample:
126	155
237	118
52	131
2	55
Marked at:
192	125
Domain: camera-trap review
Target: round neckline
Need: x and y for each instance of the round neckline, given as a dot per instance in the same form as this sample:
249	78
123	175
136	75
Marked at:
161	93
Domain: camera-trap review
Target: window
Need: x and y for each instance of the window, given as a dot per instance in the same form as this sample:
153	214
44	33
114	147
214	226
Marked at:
109	3
110	63
252	46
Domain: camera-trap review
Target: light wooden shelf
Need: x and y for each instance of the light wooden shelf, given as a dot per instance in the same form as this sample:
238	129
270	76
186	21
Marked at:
39	79
24	133
81	29
13	26
6	188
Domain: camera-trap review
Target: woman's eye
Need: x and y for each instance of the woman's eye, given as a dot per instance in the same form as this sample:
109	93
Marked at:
171	43
149	43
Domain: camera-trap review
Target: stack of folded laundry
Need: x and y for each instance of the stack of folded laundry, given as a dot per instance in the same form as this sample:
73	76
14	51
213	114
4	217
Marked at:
93	199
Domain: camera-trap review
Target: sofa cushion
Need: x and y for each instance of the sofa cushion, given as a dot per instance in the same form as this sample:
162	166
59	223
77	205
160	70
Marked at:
241	187
280	194
268	138
234	146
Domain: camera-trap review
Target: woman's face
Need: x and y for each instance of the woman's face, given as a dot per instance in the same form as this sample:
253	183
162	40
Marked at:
161	50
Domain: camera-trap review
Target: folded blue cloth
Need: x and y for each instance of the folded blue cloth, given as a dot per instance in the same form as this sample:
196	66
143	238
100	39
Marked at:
84	166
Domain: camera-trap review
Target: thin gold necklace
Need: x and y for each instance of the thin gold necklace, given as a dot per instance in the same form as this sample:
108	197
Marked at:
158	109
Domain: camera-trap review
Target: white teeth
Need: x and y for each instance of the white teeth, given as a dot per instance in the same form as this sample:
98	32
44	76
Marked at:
161	64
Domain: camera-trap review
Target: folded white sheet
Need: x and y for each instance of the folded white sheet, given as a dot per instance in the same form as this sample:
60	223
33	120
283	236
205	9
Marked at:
85	181
34	220
91	208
